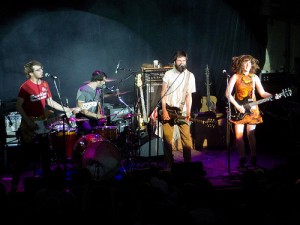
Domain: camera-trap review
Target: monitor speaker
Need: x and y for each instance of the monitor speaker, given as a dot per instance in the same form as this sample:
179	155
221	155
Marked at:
151	148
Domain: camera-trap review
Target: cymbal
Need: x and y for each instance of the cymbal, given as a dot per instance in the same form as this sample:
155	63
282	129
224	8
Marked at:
115	94
80	119
107	80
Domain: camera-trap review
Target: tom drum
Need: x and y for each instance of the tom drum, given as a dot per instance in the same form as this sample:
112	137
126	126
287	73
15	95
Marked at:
60	141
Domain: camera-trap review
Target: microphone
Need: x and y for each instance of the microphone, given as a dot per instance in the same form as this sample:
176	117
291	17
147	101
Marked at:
225	72
49	75
182	67
117	67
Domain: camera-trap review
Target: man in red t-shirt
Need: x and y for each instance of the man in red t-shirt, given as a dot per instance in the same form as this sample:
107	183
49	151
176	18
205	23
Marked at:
34	94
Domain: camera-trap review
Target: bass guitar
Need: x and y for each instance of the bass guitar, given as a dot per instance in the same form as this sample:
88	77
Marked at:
236	115
43	124
179	118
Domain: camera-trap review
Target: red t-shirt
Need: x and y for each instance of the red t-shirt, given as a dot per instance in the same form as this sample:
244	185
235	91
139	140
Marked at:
35	96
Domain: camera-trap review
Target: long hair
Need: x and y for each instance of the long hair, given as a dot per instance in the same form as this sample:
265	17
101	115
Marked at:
237	64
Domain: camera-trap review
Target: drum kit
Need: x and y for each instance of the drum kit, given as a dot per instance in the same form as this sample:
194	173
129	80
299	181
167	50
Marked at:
99	151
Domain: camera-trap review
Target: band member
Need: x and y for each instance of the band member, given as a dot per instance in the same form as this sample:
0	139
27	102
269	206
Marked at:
33	97
177	88
243	84
89	99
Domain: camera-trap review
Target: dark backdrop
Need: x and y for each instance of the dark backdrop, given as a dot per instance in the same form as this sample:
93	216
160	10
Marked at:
74	38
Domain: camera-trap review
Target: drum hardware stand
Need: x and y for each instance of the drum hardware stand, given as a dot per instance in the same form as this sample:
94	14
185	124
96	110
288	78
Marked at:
65	118
97	167
128	132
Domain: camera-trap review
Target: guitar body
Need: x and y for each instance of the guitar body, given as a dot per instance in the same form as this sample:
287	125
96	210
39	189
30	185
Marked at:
178	118
208	104
43	124
237	116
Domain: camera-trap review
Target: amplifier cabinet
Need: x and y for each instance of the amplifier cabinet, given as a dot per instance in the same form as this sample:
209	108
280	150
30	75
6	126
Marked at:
153	95
152	86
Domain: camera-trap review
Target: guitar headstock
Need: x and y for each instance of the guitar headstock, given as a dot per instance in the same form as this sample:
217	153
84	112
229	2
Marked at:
207	71
287	92
211	122
138	78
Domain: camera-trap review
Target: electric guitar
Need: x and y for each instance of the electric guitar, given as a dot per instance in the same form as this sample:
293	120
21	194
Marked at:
236	115
142	120
208	102
178	117
43	123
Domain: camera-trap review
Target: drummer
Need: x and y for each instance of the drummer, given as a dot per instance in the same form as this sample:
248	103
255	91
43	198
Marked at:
89	98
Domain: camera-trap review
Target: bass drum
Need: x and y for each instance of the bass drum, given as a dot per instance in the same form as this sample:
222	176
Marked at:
97	154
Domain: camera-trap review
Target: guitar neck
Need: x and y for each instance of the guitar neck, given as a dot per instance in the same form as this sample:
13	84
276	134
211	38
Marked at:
143	104
260	101
207	89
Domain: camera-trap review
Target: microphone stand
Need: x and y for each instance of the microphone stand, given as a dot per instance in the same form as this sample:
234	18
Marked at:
65	118
228	126
131	73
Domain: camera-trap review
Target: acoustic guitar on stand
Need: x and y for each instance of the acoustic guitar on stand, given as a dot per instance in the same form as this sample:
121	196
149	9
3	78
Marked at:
208	102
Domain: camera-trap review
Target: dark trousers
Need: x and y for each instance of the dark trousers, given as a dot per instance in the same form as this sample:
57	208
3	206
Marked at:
31	157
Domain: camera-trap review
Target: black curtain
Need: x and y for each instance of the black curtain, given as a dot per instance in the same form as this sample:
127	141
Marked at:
73	38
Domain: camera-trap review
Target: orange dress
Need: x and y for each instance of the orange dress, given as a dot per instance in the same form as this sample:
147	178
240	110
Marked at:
243	93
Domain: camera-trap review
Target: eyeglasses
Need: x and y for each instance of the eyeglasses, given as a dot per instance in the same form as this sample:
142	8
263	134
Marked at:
40	69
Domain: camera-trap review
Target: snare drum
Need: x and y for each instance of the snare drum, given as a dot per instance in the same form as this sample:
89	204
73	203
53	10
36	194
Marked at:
60	126
107	132
100	156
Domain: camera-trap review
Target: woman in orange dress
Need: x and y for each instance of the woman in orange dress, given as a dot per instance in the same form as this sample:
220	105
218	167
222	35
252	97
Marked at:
241	90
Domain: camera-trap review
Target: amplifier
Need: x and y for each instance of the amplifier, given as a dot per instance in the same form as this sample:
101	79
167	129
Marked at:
154	74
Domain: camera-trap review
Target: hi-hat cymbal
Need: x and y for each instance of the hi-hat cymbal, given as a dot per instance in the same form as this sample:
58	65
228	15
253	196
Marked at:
116	93
107	80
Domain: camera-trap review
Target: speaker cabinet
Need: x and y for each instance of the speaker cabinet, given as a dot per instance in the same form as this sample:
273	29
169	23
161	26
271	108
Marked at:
153	81
153	95
209	136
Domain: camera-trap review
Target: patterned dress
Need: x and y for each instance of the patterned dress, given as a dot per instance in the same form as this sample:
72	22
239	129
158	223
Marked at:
243	94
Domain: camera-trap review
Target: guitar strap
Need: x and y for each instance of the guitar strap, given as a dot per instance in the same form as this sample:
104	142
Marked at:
253	89
184	90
